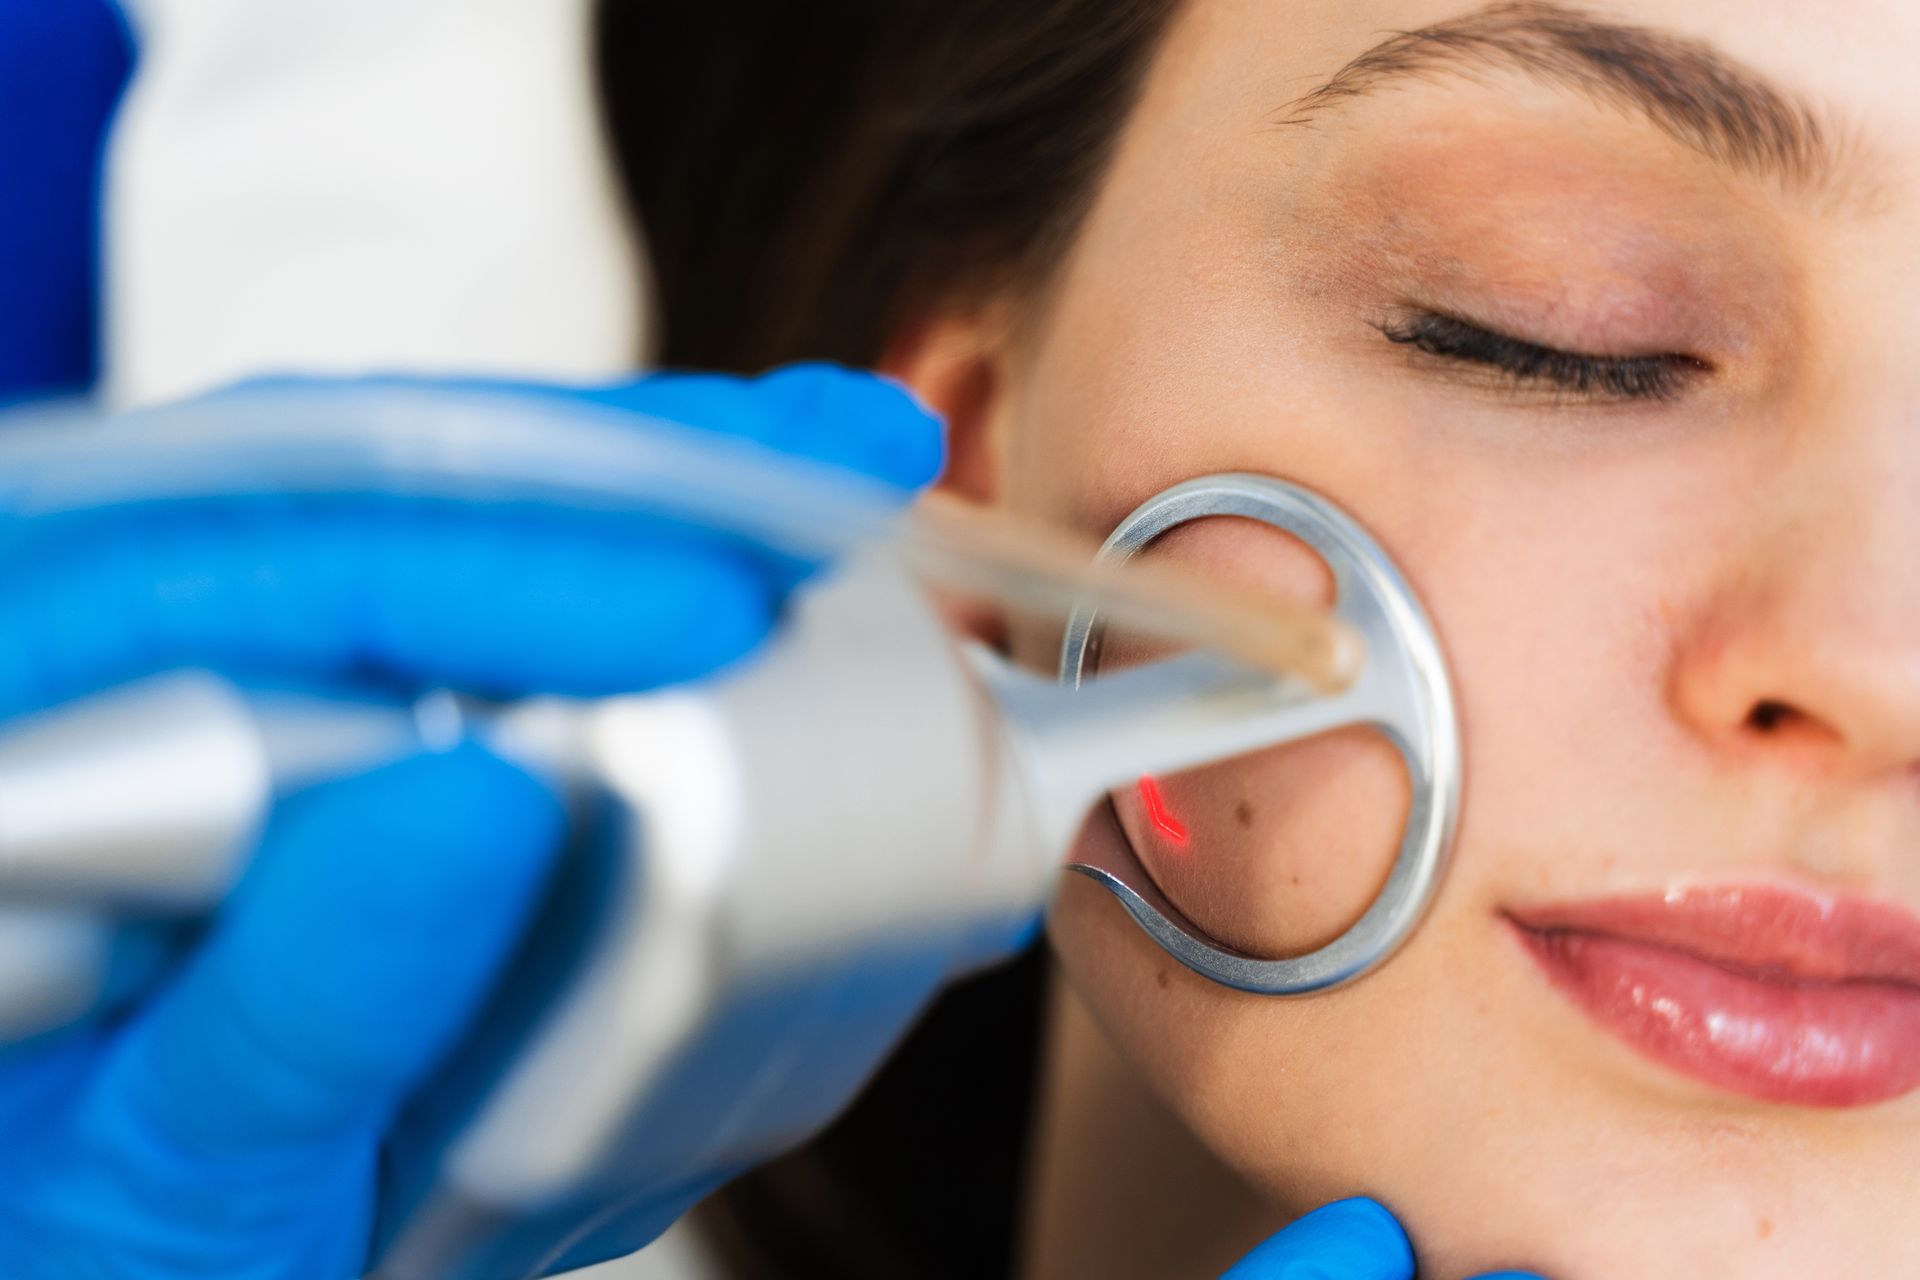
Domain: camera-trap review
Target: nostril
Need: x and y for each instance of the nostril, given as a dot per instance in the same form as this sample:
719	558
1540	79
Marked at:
1790	733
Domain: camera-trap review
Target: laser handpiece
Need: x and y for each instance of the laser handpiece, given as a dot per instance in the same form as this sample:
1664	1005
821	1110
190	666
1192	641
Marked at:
748	920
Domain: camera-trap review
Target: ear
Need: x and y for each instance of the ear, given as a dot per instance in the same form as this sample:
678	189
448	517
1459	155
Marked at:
953	360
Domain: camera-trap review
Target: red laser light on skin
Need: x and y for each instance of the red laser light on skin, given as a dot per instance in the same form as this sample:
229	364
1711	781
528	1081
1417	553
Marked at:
1163	821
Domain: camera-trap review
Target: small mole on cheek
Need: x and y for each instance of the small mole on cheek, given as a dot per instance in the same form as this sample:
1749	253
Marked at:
1765	1228
1243	814
1164	978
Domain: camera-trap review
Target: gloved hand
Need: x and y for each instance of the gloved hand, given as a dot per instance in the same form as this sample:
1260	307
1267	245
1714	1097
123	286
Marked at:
1347	1240
230	1125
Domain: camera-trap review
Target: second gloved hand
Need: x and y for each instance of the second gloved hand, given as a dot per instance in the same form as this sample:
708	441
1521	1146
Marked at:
1347	1240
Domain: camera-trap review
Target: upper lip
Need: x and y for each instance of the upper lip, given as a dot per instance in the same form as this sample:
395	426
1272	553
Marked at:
1767	932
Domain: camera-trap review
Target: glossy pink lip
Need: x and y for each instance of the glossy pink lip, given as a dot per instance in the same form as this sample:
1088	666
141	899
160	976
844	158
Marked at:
1769	992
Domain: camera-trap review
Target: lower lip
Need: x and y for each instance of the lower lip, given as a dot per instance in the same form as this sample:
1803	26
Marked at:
1821	1044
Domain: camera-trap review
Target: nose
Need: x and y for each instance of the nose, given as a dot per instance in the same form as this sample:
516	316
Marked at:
1807	652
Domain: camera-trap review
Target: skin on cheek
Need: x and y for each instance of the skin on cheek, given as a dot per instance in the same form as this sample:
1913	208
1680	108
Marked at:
1278	852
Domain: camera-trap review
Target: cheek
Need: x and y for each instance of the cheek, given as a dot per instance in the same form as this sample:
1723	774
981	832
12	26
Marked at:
1282	850
1274	853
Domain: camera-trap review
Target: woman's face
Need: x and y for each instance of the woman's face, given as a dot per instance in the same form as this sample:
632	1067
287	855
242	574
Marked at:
1654	1025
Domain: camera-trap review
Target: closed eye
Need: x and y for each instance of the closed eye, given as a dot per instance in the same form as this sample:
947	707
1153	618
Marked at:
1649	377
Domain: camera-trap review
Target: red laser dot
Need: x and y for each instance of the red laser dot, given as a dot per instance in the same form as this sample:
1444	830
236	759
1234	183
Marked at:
1163	822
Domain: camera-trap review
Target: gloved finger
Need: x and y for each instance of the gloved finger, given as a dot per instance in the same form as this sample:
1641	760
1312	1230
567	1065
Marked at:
1348	1240
370	926
820	411
823	412
418	595
497	602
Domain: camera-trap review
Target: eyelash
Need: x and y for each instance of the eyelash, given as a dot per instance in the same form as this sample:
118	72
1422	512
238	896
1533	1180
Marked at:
1659	377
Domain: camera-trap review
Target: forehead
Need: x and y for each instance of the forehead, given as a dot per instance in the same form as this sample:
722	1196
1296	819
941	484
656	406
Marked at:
1826	90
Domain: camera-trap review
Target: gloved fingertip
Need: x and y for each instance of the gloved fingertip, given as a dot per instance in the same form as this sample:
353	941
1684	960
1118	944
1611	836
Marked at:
1359	1213
813	409
1364	1226
1354	1239
864	420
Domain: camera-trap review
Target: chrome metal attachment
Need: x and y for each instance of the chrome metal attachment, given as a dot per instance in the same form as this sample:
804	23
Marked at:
1402	692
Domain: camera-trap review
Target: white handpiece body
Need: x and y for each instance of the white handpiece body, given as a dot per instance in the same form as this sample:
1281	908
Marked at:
781	869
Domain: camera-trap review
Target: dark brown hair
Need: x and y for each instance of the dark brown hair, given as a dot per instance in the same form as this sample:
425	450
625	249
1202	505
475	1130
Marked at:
810	169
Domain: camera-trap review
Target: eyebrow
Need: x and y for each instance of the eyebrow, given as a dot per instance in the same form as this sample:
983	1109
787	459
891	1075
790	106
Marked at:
1683	86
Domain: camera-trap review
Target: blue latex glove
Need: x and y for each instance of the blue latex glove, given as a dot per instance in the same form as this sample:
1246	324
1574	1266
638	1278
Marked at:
1347	1240
230	1125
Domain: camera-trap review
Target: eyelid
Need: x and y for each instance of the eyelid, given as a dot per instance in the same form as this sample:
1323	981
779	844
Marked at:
1637	377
